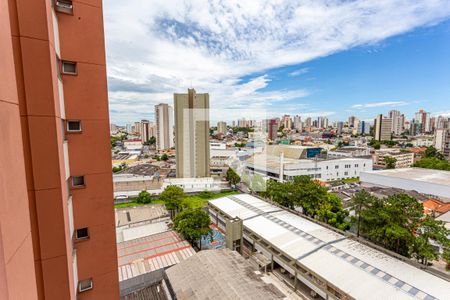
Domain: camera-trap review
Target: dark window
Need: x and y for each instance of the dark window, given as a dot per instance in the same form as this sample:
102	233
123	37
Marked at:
69	67
73	126
82	233
64	6
85	285
77	181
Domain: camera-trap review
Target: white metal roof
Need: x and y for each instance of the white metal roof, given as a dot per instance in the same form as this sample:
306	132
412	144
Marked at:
357	269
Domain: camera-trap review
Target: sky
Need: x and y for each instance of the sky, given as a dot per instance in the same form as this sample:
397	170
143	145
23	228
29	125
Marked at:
261	59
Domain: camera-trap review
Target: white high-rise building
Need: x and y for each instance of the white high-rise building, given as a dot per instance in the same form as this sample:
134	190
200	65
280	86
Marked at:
424	119
221	127
164	126
397	121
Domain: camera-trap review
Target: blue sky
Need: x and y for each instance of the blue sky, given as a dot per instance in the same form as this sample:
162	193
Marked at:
406	72
267	58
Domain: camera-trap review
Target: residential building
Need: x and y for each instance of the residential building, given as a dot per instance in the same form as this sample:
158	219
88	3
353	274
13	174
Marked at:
287	122
57	237
397	122
164	126
272	129
363	127
382	128
192	134
402	159
145	131
298	122
441	139
221	127
340	127
424	119
129	128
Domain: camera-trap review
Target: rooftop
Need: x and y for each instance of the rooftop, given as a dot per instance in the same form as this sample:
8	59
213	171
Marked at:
151	253
220	274
369	273
417	174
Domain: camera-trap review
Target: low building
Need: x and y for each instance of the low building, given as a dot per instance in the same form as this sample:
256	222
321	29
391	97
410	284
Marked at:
332	265
349	151
221	274
131	145
192	185
282	168
433	183
402	159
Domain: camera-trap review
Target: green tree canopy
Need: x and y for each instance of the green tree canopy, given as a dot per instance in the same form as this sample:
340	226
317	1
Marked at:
192	224
432	152
390	162
164	157
144	197
332	212
173	197
232	177
152	140
432	163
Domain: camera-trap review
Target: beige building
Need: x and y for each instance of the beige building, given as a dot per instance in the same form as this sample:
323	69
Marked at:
164	126
192	134
221	127
403	160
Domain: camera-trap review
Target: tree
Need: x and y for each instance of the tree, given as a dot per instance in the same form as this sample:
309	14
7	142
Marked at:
144	197
432	163
360	201
232	177
192	224
152	140
173	197
429	230
390	162
164	157
308	194
432	152
332	212
392	221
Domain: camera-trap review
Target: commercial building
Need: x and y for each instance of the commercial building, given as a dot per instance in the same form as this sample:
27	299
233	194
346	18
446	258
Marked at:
164	126
328	263
382	128
192	134
272	129
285	162
434	183
402	159
57	238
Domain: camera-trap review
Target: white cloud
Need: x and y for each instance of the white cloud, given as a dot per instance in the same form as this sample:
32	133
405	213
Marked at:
299	72
380	104
158	47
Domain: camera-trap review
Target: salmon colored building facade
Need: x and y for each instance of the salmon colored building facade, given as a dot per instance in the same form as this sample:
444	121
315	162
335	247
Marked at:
57	232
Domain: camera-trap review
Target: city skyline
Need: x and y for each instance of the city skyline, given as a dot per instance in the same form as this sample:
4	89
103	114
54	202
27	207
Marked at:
364	72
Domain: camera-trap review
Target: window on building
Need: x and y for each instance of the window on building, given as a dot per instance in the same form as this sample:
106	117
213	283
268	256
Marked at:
78	181
69	68
82	233
73	126
85	285
64	6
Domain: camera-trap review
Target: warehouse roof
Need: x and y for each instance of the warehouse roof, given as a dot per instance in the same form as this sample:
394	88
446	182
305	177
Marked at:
417	174
219	274
358	270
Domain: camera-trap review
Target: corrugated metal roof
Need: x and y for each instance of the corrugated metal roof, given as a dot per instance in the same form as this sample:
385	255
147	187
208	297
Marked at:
357	269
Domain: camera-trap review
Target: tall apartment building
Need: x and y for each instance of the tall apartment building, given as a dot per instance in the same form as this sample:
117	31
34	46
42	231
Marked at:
221	127
297	122
424	119
339	127
164	126
287	122
272	129
441	141
145	131
363	127
382	128
397	121
192	134
57	233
